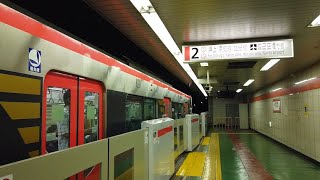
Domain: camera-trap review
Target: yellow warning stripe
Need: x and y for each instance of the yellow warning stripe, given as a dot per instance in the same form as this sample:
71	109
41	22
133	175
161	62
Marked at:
216	144
20	85
22	110
206	141
192	165
212	170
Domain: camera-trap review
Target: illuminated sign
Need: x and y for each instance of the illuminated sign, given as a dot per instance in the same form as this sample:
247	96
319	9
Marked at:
253	50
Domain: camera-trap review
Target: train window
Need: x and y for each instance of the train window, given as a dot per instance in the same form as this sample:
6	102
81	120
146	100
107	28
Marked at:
58	119
91	117
161	108
134	108
149	110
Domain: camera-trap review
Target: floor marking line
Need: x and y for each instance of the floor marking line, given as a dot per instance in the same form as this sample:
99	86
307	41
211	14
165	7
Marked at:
253	167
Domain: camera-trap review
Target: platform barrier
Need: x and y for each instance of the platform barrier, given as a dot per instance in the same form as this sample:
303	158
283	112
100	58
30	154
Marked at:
128	153
60	165
224	123
161	148
204	123
191	133
179	145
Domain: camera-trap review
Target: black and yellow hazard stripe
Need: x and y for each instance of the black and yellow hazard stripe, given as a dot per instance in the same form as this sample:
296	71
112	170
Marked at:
20	116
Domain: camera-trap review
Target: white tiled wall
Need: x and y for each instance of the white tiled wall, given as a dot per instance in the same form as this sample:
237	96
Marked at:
293	127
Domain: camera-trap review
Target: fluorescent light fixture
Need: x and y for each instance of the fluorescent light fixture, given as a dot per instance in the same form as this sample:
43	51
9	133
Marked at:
305	80
269	64
204	64
276	89
239	90
151	17
248	82
315	22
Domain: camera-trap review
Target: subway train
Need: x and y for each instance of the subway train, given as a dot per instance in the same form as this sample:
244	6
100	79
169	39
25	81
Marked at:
57	92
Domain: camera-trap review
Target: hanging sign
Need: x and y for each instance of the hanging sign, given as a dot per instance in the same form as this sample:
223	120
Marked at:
252	50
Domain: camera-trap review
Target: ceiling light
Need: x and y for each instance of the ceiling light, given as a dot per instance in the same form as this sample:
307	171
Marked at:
248	82
204	64
269	64
315	22
152	18
276	89
305	80
239	90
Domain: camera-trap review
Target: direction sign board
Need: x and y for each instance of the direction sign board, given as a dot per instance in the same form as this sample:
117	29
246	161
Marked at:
251	50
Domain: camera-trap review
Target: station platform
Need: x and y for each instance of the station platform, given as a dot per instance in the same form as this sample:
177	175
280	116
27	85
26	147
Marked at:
242	155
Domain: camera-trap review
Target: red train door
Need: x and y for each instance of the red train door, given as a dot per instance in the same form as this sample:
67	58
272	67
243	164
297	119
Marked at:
90	120
72	115
167	109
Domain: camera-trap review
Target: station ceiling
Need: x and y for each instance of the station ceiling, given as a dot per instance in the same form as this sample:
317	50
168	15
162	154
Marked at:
220	21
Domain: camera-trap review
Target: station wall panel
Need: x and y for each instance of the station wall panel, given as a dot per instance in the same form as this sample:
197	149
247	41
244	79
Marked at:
298	123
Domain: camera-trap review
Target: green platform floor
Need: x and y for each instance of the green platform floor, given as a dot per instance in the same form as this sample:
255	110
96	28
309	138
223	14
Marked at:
280	162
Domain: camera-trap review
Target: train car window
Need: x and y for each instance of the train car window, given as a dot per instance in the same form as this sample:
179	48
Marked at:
58	119
91	117
161	108
134	111
116	113
149	109
177	111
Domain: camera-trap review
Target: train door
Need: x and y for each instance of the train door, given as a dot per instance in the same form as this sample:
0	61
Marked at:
72	115
167	110
90	120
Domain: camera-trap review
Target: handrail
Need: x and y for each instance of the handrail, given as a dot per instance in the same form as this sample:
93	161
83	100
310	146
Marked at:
62	164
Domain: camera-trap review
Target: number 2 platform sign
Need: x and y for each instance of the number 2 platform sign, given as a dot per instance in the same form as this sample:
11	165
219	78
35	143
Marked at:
249	50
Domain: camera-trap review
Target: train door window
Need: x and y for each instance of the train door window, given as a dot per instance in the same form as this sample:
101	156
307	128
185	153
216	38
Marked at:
58	119
149	109
91	116
167	110
134	111
161	108
59	116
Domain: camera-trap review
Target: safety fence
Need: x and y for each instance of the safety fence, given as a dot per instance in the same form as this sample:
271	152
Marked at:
108	154
226	122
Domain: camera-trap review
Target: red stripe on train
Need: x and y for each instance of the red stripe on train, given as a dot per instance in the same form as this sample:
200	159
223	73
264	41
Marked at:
20	21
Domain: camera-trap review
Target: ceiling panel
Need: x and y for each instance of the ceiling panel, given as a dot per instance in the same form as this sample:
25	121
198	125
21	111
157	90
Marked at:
216	21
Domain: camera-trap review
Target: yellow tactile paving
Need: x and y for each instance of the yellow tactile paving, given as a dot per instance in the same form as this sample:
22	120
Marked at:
212	169
206	141
193	165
